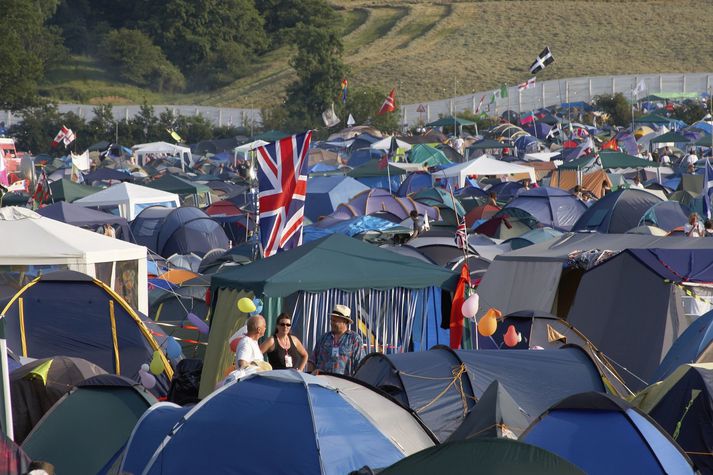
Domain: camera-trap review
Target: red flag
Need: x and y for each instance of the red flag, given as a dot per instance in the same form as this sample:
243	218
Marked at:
383	162
389	104
610	145
456	324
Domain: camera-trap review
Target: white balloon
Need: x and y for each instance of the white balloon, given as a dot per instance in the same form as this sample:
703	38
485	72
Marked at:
470	306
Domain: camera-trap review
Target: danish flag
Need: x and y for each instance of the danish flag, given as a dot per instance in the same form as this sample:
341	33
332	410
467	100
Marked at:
282	182
389	104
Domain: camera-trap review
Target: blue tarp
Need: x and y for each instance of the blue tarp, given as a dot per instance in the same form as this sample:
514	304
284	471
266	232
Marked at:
348	227
552	207
688	347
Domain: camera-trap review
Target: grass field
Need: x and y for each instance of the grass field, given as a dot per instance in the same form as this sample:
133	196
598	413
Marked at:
433	49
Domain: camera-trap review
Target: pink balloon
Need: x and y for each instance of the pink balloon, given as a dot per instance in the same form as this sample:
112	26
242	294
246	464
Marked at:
470	306
200	324
148	380
511	336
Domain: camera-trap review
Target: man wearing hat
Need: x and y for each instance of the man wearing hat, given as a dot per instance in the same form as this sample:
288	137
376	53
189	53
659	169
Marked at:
340	350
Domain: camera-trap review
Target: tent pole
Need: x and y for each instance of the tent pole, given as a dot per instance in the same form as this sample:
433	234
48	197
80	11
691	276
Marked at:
7	426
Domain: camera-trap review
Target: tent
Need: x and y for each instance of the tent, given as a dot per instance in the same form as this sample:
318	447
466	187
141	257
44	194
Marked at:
145	151
168	231
440	198
379	200
508	223
427	156
682	404
486	456
450	121
385	144
322	424
609	160
693	346
532	237
542	277
37	386
14	460
86	429
602	434
441	385
67	190
617	212
325	193
379	286
374	174
482	212
634	305
552	207
107	174
42	321
505	190
182	187
415	182
85	218
33	244
487	166
666	215
128	200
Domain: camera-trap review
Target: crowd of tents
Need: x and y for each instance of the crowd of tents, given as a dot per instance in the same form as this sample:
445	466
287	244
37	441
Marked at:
121	270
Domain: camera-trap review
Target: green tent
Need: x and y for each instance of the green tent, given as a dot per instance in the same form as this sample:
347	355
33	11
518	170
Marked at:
653	118
86	428
449	122
372	168
610	160
178	185
483	455
705	141
438	197
671	136
333	262
67	190
427	155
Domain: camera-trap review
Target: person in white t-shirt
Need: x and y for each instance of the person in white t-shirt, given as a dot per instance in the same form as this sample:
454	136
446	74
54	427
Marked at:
248	350
693	228
691	158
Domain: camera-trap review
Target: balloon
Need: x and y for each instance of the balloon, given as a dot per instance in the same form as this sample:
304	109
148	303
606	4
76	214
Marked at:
200	324
258	309
511	337
173	349
234	344
487	325
470	306
148	380
144	368
157	365
246	305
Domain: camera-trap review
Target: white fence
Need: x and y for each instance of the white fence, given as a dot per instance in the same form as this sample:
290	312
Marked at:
544	94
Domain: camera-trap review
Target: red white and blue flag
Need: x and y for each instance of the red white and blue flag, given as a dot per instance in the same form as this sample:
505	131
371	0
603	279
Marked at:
282	181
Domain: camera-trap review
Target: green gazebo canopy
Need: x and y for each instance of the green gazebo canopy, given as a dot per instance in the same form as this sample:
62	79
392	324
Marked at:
372	168
611	160
449	122
671	136
652	118
180	186
486	144
67	190
333	262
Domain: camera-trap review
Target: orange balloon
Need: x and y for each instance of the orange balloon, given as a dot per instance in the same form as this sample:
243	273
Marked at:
493	312
487	325
511	336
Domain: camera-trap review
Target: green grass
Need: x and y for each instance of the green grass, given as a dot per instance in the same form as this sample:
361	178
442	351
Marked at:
425	46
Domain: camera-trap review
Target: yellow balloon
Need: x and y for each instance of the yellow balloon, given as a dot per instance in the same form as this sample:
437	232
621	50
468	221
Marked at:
156	366
246	305
487	325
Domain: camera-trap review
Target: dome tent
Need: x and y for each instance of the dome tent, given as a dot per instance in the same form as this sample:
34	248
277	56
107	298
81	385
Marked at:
602	434
168	231
321	424
552	207
617	212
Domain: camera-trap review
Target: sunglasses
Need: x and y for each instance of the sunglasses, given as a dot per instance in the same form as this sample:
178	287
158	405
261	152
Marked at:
284	324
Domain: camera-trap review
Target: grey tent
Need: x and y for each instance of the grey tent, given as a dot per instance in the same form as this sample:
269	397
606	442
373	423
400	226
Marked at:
617	212
441	385
538	277
495	415
634	305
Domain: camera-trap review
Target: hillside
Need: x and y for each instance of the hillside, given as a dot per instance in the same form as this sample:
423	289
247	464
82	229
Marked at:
433	50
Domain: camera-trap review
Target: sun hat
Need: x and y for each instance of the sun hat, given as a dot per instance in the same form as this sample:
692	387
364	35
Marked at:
342	311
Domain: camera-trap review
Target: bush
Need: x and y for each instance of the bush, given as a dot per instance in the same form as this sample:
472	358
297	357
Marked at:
222	66
140	62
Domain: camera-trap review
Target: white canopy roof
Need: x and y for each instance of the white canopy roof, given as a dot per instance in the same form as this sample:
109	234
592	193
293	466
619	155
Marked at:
540	156
160	147
484	165
126	196
385	144
250	146
31	239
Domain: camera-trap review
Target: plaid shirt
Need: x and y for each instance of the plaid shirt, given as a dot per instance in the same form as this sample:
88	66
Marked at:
351	351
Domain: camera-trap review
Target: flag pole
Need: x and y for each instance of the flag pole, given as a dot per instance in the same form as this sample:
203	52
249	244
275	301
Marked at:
6	414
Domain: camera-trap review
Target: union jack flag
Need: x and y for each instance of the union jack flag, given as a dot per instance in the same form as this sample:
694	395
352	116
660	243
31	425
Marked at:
282	183
461	235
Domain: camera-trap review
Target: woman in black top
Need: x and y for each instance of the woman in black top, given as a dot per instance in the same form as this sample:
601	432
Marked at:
282	349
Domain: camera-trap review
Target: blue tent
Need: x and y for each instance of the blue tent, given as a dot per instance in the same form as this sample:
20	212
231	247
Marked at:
168	231
415	182
532	237
528	143
322	167
284	421
552	207
348	227
325	193
505	190
689	347
44	319
85	218
666	215
107	174
442	384
617	212
362	156
603	435
537	129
